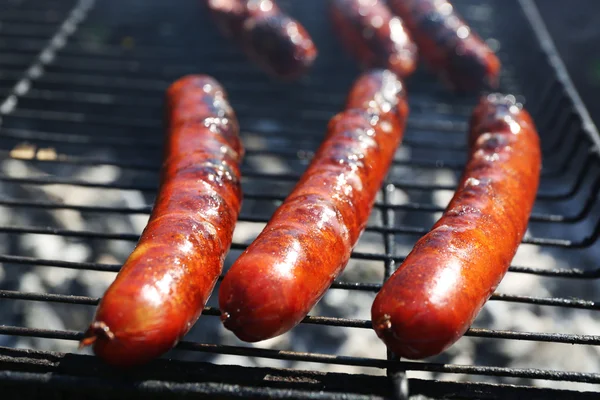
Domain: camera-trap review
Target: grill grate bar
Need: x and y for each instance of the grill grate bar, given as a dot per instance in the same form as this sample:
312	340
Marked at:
418	106
258	90
421	207
77	139
245	114
303	153
76	207
360	286
242	110
321	113
531	373
410	230
217	388
148	388
144	141
46	54
29	16
134	238
370	287
331	321
286	177
549	301
18	61
48	230
91	65
24	29
547	45
293	134
574	273
149	166
397	375
21	45
535	336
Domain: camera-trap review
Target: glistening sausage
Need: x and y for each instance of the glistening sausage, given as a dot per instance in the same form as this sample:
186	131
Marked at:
307	242
275	41
164	284
448	45
373	35
434	296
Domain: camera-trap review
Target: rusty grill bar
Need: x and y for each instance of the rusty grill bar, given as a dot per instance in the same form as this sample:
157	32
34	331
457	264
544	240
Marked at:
91	95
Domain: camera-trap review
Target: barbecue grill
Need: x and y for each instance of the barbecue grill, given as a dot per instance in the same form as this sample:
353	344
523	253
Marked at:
81	91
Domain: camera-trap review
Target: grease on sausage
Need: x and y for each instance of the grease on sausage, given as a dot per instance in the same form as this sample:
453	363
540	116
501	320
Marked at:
307	242
434	296
373	35
164	284
448	45
273	40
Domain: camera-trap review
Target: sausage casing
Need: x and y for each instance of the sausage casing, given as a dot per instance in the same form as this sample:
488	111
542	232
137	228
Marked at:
448	45
164	284
373	35
278	279
434	296
273	40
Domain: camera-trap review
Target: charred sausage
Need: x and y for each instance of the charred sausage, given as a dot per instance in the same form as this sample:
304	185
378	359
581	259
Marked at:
434	296
307	243
275	41
448	45
373	35
164	284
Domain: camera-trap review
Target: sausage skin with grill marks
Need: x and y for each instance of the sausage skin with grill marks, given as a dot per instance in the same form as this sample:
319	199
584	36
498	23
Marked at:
278	279
436	293
163	286
448	45
279	44
373	35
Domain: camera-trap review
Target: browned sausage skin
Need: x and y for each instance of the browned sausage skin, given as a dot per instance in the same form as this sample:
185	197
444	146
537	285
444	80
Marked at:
434	296
307	243
373	35
275	41
164	284
448	45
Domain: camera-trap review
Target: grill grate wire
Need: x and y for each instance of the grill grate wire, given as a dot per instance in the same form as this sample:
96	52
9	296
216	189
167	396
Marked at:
74	104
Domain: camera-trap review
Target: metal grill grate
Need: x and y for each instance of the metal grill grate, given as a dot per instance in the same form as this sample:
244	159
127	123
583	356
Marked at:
82	84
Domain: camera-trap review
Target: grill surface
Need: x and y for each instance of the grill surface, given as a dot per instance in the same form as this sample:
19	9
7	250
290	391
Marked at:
86	79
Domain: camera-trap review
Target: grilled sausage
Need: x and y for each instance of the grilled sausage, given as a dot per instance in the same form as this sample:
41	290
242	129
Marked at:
307	243
272	39
448	45
434	296
373	35
165	283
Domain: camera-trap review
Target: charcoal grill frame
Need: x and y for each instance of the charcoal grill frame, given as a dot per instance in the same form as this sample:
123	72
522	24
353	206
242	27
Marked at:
28	372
